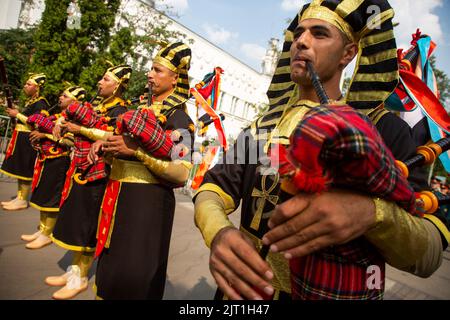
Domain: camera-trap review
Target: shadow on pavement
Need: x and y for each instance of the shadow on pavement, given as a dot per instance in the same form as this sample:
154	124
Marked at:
200	291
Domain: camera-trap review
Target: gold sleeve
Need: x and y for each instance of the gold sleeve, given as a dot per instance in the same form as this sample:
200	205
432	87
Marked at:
51	137
406	242
210	215
95	134
59	120
176	172
67	140
22	118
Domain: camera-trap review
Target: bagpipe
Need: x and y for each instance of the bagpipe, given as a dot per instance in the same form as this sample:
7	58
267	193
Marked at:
334	145
308	173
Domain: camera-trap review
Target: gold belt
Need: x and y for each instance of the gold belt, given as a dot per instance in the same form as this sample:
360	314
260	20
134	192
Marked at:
131	172
22	128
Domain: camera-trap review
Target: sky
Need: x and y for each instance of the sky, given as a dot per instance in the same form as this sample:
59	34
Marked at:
244	27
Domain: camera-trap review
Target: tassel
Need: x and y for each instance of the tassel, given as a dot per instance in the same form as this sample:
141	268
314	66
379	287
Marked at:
309	183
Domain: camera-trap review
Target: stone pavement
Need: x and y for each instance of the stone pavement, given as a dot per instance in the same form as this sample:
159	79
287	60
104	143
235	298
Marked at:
22	271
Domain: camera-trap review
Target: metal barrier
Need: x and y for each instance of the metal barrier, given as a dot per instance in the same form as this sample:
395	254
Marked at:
5	121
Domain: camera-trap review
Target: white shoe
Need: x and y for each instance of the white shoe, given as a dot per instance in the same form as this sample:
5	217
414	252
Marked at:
58	281
30	237
40	242
5	203
16	205
74	286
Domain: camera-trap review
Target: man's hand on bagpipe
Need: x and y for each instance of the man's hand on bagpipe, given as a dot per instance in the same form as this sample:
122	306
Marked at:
237	267
67	126
121	146
308	222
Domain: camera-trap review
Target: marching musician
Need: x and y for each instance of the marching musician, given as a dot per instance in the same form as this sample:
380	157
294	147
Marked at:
20	156
329	34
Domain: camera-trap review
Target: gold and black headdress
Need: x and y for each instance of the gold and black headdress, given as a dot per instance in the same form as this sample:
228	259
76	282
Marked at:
76	93
176	57
38	79
367	23
121	74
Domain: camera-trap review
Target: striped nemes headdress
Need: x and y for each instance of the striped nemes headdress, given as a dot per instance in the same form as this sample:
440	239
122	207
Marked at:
121	74
76	93
37	79
368	23
177	58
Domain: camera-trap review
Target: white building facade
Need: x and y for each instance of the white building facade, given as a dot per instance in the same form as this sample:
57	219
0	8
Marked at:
243	89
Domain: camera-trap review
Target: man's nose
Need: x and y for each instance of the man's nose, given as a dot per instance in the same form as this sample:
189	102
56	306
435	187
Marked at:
304	40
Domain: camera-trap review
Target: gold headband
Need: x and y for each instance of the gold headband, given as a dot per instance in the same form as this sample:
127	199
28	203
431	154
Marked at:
112	75
166	63
325	14
70	95
33	81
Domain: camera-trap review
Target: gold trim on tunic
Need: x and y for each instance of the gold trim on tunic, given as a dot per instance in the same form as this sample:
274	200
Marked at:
131	172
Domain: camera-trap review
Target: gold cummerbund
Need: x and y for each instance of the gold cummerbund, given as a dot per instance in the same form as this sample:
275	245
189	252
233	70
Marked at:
22	128
131	172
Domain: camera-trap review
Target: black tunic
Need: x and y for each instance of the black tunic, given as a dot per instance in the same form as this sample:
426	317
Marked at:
47	194
21	163
78	216
134	266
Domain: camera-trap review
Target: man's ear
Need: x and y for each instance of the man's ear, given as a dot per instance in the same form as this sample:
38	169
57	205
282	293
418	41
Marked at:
175	80
350	52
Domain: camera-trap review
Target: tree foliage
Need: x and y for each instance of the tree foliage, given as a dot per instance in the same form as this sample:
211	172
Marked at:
16	47
75	55
107	32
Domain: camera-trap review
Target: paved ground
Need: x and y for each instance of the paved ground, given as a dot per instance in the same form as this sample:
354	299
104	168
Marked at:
22	271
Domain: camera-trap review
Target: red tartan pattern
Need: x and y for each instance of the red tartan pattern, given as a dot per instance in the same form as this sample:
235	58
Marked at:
46	147
80	154
338	273
144	127
41	123
85	115
336	146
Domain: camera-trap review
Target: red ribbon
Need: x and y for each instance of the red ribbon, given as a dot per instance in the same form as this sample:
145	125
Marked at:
12	144
67	183
106	215
38	166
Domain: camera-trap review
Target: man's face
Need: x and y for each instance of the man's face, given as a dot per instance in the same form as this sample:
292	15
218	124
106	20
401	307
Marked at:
65	101
107	86
435	184
30	88
161	80
321	43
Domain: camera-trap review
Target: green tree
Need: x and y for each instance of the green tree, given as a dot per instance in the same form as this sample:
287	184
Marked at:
106	33
76	55
149	30
16	47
